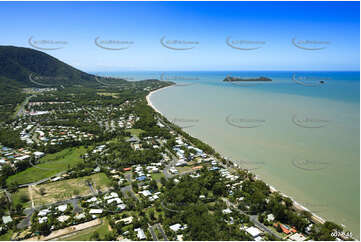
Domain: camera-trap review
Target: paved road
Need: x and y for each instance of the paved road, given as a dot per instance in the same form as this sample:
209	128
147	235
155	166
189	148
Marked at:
27	220
90	184
75	203
253	218
171	163
159	226
163	206
127	189
42	180
128	177
34	134
8	195
22	106
150	228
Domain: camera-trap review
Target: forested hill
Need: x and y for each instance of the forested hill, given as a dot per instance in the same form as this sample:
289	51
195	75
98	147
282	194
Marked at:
25	67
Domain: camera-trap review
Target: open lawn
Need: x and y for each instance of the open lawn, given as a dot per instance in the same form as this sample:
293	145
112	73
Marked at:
184	168
86	234
50	165
108	94
157	176
21	196
135	132
63	190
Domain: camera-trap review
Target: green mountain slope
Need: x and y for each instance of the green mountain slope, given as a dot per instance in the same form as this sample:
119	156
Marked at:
32	68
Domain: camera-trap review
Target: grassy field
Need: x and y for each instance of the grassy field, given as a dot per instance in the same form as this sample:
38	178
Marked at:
63	190
184	169
86	234
50	165
135	132
157	176
108	94
16	197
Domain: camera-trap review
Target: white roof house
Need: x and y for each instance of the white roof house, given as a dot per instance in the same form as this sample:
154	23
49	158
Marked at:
181	163
297	237
24	157
127	220
154	197
62	208
173	170
63	218
80	216
253	231
258	238
7	219
96	211
140	233
117	200
176	227
42	219
43	212
93	199
308	228
146	193
111	195
270	217
38	154
121	206
227	211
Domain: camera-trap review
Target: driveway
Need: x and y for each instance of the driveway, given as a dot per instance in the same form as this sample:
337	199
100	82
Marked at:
253	218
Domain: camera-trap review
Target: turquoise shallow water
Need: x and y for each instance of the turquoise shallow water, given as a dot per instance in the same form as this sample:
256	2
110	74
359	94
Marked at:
299	135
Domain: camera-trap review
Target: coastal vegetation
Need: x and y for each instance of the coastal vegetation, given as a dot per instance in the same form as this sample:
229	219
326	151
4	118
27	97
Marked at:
122	163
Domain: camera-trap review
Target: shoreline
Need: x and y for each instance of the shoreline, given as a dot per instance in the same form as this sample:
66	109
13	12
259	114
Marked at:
300	207
315	218
150	103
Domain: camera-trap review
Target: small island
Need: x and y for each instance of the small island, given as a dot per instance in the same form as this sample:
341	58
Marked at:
238	79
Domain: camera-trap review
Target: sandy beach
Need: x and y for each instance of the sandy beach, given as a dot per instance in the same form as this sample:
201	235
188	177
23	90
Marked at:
150	103
296	205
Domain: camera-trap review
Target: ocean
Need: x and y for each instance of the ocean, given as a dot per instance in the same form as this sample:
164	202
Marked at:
299	132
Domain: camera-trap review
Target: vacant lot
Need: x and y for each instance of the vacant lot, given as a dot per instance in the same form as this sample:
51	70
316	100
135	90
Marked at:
135	132
63	190
49	166
184	169
157	176
108	94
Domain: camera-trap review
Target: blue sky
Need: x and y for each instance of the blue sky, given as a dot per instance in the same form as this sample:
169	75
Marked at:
269	26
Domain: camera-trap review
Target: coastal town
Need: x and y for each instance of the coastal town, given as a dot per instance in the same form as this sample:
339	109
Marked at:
180	121
107	166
